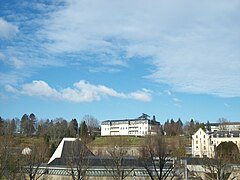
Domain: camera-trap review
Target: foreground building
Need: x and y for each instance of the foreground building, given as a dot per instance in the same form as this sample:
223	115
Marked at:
60	166
140	126
204	144
64	164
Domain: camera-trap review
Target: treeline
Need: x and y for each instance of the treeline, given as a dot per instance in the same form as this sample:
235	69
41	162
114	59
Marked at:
58	128
174	128
51	130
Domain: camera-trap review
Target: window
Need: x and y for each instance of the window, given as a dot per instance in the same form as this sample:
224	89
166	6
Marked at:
196	141
196	136
204	147
204	142
204	136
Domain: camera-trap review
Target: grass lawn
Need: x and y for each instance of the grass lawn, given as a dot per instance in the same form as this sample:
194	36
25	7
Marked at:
116	140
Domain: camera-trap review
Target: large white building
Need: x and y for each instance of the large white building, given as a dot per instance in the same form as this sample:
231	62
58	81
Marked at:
140	126
232	126
204	144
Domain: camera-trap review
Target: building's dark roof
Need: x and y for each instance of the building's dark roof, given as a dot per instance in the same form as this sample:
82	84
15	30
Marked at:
225	133
224	123
142	117
100	161
71	150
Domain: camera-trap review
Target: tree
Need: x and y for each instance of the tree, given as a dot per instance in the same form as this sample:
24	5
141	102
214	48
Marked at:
32	123
83	130
219	167
228	152
92	124
73	128
155	157
179	127
32	158
192	126
1	126
9	159
4	155
28	124
208	126
77	159
222	123
117	163
13	126
58	129
24	124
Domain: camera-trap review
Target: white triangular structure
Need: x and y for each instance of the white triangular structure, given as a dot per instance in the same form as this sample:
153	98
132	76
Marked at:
58	151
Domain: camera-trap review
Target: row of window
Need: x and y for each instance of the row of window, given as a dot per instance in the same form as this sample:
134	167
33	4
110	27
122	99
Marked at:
124	128
204	141
203	136
204	147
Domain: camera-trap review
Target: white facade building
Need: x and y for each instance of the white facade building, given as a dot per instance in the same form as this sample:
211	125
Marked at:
204	144
140	126
232	126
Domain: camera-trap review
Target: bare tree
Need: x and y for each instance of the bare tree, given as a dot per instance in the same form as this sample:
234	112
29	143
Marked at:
222	123
155	157
9	158
216	169
4	155
118	165
32	158
77	159
219	167
92	124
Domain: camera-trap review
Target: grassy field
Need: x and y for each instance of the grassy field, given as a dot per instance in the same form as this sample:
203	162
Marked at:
115	140
135	141
107	141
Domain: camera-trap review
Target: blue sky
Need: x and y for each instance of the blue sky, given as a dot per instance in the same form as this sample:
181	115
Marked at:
118	59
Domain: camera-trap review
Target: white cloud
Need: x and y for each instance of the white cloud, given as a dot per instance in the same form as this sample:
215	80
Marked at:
11	89
18	64
176	100
3	97
140	95
82	91
7	30
40	88
227	105
194	45
2	56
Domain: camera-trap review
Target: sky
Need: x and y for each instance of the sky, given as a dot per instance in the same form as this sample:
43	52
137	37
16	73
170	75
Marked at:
118	59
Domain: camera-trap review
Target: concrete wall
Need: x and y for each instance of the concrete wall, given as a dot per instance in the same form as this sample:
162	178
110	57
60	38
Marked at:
60	177
103	151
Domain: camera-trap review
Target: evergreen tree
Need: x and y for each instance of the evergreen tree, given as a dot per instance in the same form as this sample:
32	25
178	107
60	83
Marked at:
83	130
1	126
73	128
32	123
24	124
208	126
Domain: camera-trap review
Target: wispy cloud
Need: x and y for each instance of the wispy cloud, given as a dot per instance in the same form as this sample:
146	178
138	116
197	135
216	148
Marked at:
176	100
15	62
81	91
227	105
192	51
7	30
